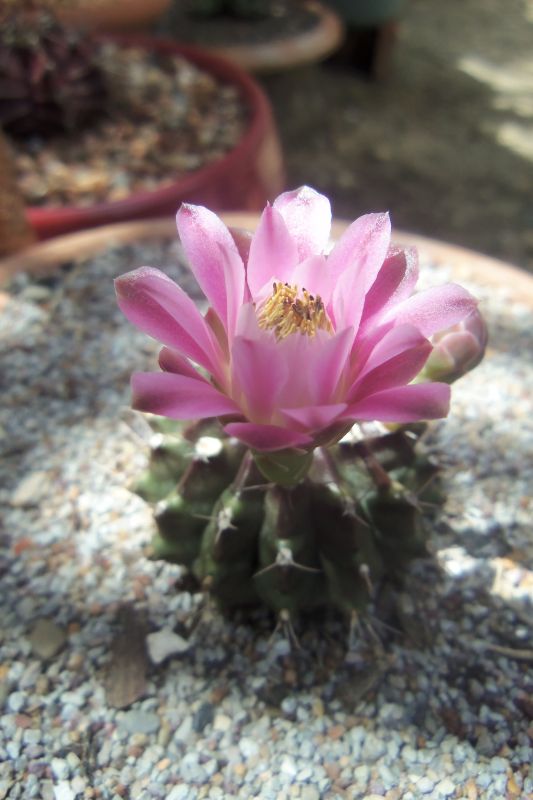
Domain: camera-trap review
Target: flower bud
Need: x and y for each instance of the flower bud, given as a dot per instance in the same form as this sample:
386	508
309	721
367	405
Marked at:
457	350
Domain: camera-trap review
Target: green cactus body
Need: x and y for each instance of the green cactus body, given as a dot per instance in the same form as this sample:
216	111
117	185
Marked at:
289	576
348	552
228	557
328	538
169	458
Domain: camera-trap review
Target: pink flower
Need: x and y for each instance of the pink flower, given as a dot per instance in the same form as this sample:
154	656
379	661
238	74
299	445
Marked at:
297	345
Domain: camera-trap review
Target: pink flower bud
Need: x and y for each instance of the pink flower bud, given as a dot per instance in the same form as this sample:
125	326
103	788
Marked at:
457	350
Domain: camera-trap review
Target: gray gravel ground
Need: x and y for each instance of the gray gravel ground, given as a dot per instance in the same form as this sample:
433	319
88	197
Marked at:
436	703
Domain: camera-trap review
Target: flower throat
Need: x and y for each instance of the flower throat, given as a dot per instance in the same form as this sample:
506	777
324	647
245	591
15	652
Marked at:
286	312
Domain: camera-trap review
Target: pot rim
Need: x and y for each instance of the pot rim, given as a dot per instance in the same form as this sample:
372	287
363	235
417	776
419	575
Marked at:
108	16
43	258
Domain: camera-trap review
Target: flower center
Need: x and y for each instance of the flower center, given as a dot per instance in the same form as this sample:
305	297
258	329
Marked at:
288	311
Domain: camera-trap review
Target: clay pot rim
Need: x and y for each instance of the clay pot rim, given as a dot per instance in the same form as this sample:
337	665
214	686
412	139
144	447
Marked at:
104	16
43	258
74	217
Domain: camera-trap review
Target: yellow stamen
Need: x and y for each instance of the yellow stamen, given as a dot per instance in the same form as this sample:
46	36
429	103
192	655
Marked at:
286	312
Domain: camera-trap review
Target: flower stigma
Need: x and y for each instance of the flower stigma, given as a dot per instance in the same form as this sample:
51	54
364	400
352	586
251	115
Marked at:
288	311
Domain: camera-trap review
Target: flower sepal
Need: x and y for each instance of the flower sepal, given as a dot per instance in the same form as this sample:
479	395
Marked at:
285	468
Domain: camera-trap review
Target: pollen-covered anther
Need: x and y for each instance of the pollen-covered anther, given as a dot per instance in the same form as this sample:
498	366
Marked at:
288	311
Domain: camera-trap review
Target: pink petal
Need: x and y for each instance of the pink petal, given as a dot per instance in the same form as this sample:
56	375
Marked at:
273	252
160	308
361	250
171	361
398	369
258	375
307	215
266	437
393	342
383	343
313	418
418	401
243	241
346	306
301	388
247	324
354	262
314	367
214	259
394	282
178	396
330	359
433	309
313	275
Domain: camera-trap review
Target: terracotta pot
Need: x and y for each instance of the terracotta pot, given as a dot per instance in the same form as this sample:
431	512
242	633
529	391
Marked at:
465	265
114	15
288	52
245	178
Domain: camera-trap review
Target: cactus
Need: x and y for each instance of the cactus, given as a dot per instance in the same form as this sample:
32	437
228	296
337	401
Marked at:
351	522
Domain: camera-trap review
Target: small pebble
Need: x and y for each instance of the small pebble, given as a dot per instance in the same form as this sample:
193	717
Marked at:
309	793
445	788
425	785
63	791
165	643
47	638
31	490
222	723
180	792
203	717
16	701
140	722
248	747
60	768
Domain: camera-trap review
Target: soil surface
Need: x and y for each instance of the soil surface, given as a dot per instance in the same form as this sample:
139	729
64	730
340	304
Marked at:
164	118
444	140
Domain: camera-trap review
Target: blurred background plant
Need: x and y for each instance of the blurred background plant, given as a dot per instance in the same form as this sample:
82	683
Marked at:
50	81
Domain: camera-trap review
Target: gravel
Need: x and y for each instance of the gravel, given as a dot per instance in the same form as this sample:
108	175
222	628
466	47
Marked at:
433	701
